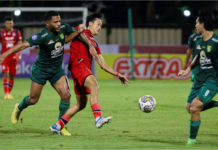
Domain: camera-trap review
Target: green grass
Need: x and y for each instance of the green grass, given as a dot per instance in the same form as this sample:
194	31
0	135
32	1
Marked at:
167	127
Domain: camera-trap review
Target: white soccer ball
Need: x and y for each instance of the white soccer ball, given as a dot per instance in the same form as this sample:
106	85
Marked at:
147	103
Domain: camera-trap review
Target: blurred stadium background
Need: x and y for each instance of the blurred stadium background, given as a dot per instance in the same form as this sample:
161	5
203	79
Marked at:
160	29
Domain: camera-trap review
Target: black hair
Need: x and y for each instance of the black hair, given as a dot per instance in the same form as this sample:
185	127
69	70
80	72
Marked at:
8	18
92	17
49	15
207	17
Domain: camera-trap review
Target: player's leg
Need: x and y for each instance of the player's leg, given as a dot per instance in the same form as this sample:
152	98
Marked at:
92	85
188	106
196	107
193	93
203	98
12	73
63	89
80	105
5	79
11	85
31	99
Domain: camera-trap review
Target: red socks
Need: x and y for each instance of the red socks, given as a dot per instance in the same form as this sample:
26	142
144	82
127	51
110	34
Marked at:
96	108
11	84
64	120
5	85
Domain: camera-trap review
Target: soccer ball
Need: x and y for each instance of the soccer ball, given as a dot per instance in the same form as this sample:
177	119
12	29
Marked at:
147	103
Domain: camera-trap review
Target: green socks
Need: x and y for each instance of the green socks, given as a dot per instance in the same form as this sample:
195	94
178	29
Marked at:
24	104
63	107
210	105
194	126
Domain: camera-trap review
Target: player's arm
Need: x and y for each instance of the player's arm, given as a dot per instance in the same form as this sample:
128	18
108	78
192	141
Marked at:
17	48
71	36
188	55
19	53
108	69
194	63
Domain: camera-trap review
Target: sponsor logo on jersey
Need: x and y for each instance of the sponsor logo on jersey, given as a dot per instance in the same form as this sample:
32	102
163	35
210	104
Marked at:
50	42
195	38
62	36
9	38
44	35
204	60
209	48
62	26
203	55
34	37
198	47
58	50
9	45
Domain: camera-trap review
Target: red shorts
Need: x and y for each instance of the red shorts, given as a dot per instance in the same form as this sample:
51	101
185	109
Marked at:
79	72
10	66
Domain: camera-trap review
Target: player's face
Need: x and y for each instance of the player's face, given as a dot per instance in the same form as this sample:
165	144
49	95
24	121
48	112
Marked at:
95	27
9	25
54	24
199	26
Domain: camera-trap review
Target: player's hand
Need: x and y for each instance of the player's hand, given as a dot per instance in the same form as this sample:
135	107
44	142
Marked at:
123	79
2	58
81	27
183	73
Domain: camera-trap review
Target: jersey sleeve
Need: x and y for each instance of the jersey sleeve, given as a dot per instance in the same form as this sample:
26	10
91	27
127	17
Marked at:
190	42
69	29
19	37
77	27
36	39
98	49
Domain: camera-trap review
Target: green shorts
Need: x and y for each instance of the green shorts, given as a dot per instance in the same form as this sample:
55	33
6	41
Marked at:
41	75
194	72
205	91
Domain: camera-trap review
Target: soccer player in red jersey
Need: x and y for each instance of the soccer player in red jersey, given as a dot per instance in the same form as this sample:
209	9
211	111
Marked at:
8	38
84	81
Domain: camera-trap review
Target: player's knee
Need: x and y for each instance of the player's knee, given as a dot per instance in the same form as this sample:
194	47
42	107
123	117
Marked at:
94	88
33	100
188	106
66	97
194	109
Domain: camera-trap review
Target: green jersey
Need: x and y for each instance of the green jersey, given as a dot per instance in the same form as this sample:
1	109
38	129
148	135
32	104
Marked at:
191	43
51	47
207	52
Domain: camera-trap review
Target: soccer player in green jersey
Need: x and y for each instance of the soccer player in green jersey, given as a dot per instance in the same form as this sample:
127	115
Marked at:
205	86
48	65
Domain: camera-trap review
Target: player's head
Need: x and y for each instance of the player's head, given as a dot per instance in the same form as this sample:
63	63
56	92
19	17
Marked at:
205	21
94	22
8	23
53	21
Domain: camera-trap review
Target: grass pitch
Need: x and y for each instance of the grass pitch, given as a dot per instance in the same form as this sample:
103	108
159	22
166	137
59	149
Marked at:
167	127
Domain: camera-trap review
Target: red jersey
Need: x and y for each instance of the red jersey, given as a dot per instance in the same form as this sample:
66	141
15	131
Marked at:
79	51
9	39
